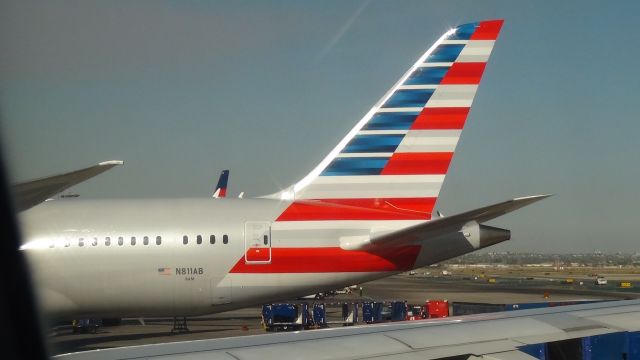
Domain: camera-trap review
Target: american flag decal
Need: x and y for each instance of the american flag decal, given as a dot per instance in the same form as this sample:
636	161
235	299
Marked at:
164	271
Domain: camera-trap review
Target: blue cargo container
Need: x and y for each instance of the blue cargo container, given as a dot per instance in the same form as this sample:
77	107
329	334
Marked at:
372	312
319	313
285	317
398	311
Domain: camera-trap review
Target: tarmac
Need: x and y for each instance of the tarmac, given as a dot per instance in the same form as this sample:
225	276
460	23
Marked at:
413	289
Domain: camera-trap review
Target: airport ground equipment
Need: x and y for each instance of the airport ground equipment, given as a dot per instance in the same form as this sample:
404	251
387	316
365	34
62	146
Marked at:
84	326
437	308
375	312
285	317
349	314
319	315
625	284
398	311
372	312
416	312
179	325
321	319
601	281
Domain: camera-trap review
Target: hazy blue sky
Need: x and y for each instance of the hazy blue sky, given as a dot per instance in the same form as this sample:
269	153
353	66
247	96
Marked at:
183	89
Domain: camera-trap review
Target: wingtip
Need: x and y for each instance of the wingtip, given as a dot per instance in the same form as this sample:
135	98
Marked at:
533	197
111	162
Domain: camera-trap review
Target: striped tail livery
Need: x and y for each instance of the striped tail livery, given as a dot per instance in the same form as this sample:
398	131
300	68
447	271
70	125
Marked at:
392	164
221	188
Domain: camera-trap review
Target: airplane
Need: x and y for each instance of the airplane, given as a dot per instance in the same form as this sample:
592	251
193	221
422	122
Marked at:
363	213
221	188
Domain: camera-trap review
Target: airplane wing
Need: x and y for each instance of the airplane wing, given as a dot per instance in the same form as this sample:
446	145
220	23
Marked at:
432	229
30	193
505	335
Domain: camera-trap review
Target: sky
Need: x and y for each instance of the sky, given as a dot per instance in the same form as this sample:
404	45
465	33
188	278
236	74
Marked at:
181	90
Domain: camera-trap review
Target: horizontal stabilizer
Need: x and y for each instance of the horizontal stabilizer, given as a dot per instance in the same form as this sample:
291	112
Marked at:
449	224
31	193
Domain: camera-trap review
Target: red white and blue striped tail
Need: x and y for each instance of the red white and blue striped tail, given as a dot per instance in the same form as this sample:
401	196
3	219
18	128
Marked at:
221	188
395	159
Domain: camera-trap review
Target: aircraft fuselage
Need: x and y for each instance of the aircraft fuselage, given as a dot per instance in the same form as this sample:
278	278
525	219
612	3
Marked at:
130	257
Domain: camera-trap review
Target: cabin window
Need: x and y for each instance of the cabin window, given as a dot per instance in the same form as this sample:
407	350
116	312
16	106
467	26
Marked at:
199	239
225	239
133	240
81	242
120	241
94	242
158	240
67	243
107	241
145	240
266	239
212	239
185	240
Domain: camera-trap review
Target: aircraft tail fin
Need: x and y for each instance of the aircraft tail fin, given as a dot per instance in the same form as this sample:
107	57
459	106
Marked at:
221	188
395	159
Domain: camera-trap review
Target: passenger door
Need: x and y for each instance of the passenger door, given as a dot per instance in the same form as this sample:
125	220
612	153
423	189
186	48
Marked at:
257	242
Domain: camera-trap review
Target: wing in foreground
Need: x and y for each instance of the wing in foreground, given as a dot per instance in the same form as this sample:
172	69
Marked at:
30	193
502	335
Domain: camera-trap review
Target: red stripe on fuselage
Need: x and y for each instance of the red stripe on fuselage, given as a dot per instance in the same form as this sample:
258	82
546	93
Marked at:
359	209
391	204
464	74
418	163
332	260
487	30
441	118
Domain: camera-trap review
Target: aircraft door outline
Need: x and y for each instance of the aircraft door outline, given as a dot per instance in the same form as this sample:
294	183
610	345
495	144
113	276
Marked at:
257	242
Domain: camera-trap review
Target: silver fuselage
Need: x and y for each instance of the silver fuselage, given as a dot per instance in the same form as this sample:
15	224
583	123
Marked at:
174	278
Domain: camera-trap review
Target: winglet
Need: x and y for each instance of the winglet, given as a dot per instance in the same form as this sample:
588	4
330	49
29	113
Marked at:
30	193
111	162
